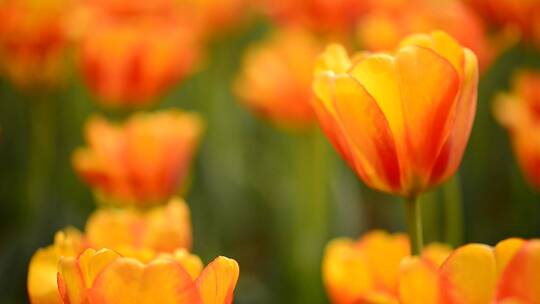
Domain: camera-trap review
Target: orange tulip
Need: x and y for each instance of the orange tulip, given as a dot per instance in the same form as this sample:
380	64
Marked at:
159	229
276	77
519	111
508	273
219	15
32	41
130	53
41	284
106	277
385	25
142	161
401	120
378	269
328	16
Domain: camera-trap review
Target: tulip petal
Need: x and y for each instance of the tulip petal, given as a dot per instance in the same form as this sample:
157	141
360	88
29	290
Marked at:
468	276
520	281
505	251
367	129
436	253
129	281
218	280
334	59
429	86
418	282
42	277
345	271
452	152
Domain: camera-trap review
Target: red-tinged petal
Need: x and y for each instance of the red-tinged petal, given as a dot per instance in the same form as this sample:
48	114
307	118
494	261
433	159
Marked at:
218	280
367	129
452	152
378	75
418	282
436	253
129	281
505	251
468	276
429	88
345	271
520	281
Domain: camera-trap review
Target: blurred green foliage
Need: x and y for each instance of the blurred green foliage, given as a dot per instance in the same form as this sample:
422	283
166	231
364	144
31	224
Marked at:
267	197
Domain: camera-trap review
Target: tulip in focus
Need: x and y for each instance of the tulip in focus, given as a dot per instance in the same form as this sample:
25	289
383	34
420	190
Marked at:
106	277
142	161
41	284
507	273
276	76
519	111
33	41
378	268
387	23
401	120
129	231
131	53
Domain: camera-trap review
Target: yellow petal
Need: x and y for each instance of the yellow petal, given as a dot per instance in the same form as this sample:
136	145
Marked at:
42	288
418	282
191	263
335	59
436	253
218	280
505	251
469	275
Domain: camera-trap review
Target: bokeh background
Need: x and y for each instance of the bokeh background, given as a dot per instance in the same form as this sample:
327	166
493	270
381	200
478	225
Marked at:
268	197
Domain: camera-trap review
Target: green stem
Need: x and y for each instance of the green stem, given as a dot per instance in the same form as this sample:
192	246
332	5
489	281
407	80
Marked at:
414	225
453	209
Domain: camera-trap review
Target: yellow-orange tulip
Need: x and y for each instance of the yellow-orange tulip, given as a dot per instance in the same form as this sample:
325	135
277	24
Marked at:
131	52
106	277
508	273
401	120
385	25
519	111
378	269
276	76
41	284
32	41
159	229
141	162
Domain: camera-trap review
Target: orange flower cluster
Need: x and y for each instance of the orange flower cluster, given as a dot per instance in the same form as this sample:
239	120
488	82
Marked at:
131	51
141	162
401	120
519	111
379	269
276	77
33	41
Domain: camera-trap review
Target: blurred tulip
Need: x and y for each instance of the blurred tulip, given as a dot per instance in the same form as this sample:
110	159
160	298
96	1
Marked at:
41	284
106	277
328	16
33	41
378	269
218	16
385	25
508	273
519	111
131	52
160	229
276	77
141	162
402	121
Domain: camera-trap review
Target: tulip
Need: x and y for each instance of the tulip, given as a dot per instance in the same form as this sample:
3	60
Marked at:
131	53
385	25
41	284
106	277
378	268
128	231
400	120
276	75
519	112
141	162
33	41
477	273
327	16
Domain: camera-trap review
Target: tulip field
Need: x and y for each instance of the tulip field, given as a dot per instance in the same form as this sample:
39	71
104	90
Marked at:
270	151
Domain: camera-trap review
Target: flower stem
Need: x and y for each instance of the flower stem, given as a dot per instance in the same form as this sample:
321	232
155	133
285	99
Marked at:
453	209
414	225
